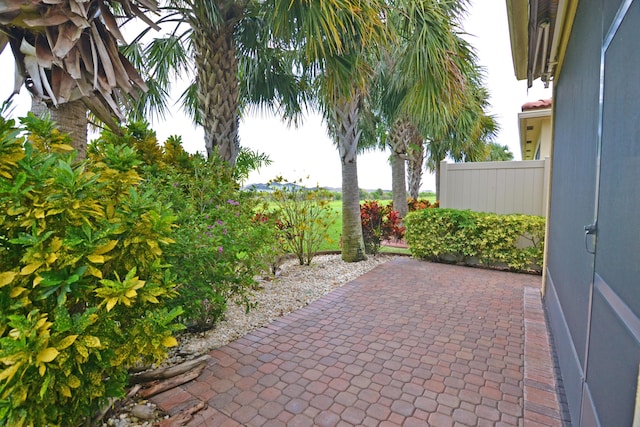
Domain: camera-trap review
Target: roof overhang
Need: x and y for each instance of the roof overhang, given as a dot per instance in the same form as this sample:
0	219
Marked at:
539	31
518	16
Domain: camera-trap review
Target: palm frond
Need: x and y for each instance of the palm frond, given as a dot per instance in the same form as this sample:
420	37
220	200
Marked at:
67	51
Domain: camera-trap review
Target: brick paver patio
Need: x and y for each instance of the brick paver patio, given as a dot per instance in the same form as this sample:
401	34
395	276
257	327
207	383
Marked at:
410	343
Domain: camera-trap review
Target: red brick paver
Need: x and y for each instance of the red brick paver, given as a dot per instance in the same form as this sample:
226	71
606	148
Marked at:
409	343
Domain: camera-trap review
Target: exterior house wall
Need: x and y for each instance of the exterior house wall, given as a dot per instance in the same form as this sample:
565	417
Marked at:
592	296
498	187
536	132
544	143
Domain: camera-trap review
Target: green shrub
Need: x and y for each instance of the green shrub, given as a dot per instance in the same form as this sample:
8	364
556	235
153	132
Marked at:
513	241
303	216
379	222
219	247
83	279
274	253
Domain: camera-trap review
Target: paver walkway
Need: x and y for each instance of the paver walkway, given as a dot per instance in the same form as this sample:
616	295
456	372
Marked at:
410	343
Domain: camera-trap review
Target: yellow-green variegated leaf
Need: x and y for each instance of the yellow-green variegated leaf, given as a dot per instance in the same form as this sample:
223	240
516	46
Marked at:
80	348
94	271
105	248
91	341
28	269
16	292
16	210
47	355
64	390
51	212
7	277
96	259
111	302
67	341
151	299
169	342
56	243
37	280
9	372
73	381
62	147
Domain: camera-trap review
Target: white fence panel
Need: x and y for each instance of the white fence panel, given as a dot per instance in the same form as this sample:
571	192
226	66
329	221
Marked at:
500	187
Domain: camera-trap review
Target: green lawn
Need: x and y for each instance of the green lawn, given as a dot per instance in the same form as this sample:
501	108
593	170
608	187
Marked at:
335	230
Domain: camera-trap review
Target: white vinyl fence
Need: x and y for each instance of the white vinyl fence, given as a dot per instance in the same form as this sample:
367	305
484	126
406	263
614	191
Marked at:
500	187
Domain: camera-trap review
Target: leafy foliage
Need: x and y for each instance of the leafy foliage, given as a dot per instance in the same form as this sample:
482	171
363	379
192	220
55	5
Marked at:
379	222
498	153
419	204
83	279
303	217
513	241
219	246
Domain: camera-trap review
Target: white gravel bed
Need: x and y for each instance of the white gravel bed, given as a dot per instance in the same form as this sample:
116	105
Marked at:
294	287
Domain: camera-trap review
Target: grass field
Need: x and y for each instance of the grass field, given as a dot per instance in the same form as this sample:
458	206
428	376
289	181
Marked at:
335	230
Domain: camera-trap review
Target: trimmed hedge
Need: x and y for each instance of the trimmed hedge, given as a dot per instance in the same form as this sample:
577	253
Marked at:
514	241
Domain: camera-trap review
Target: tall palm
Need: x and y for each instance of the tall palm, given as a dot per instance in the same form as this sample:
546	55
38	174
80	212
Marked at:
466	135
401	134
498	153
423	79
248	51
343	90
67	54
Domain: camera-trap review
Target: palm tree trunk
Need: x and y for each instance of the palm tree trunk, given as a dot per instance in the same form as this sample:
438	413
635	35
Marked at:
399	139
345	121
437	181
70	118
415	170
217	78
398	184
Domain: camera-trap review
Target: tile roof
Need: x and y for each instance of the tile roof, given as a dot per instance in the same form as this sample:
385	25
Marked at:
537	105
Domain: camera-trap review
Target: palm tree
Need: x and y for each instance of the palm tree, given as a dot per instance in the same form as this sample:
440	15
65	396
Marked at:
466	135
422	80
251	51
498	153
402	134
343	90
66	52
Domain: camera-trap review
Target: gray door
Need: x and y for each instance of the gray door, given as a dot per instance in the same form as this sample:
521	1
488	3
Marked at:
613	347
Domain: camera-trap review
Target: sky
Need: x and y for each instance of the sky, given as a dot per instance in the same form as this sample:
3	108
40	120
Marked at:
308	153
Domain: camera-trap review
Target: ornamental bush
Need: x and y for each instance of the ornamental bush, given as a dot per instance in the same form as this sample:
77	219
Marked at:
379	222
506	241
83	276
303	217
419	204
219	246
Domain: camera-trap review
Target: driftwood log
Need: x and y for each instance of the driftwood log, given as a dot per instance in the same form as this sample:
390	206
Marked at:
170	371
182	418
167	384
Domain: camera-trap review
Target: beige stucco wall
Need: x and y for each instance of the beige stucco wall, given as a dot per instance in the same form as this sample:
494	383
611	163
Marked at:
499	187
545	138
